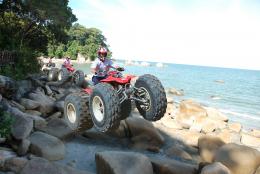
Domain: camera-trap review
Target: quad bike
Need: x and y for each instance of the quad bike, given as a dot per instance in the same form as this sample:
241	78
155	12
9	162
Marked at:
51	72
67	70
110	101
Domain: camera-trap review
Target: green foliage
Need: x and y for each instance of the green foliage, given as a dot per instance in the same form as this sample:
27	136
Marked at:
5	124
80	40
25	64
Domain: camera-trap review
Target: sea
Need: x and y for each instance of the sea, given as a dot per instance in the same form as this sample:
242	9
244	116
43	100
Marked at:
235	92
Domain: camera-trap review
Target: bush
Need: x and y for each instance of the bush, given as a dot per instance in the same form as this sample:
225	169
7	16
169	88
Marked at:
5	124
26	63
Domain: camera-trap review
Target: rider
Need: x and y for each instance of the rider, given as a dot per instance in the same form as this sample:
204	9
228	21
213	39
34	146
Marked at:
67	62
101	66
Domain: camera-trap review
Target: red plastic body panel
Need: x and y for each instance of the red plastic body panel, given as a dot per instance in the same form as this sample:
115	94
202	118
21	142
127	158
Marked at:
70	68
121	80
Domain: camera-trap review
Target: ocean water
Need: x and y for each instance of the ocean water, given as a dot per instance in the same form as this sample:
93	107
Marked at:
238	96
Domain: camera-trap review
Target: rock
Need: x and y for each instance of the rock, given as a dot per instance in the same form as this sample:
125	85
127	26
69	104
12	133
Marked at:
168	122
39	122
17	105
23	147
4	155
257	171
59	105
54	116
176	92
115	162
7	86
43	166
208	145
236	127
144	134
215	114
249	140
15	164
170	100
58	128
166	166
178	152
24	86
33	112
189	112
29	104
47	146
219	81
46	103
238	159
228	136
215	168
255	133
22	126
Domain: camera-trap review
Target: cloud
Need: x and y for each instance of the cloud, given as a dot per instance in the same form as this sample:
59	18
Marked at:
219	33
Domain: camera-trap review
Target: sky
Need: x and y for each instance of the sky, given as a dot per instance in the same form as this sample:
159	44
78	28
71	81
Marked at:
221	33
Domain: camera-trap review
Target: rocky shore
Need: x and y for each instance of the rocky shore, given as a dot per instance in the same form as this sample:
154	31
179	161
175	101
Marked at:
189	139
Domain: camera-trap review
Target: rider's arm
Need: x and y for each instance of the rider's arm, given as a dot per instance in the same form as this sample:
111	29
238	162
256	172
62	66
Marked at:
94	67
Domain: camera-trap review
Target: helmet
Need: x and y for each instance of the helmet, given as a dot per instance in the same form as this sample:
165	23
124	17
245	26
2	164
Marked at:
102	51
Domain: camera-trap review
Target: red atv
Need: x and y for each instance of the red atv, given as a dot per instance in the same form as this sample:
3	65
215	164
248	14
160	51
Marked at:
67	70
110	101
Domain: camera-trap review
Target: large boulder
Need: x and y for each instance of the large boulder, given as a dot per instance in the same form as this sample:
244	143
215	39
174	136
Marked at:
57	127
7	86
115	162
15	164
178	152
255	133
216	114
208	145
236	127
189	112
23	147
4	155
46	103
24	86
167	166
43	166
143	134
228	136
215	168
22	126
249	140
238	158
47	146
29	104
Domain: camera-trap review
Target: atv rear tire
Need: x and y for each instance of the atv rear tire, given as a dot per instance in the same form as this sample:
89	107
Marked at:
76	112
63	74
53	74
153	91
126	108
79	78
105	107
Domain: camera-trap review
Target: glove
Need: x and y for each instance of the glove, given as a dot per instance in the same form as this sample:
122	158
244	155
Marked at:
120	69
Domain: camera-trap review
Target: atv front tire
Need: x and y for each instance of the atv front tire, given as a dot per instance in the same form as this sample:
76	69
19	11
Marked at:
53	74
76	112
151	90
104	107
79	78
63	74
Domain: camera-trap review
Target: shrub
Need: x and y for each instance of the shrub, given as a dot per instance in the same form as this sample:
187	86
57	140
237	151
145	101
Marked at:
5	124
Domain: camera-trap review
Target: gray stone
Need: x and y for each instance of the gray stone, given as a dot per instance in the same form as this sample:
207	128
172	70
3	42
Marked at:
23	147
215	168
115	162
167	166
47	146
15	164
4	155
58	128
59	105
43	166
22	126
238	158
33	112
29	104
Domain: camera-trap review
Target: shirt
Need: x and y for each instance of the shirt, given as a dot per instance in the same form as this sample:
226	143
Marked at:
102	67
